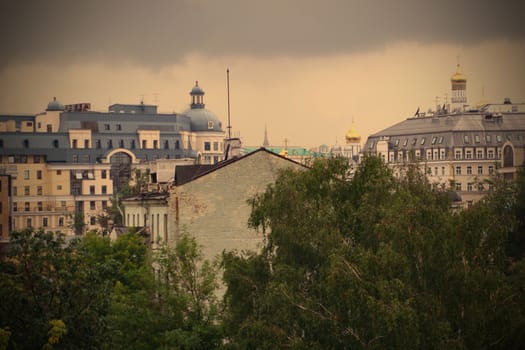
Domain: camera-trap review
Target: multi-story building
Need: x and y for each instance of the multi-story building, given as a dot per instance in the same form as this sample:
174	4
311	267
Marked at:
68	161
458	147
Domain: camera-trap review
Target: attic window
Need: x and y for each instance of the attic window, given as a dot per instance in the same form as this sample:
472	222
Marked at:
434	140
210	124
405	143
397	142
440	140
423	141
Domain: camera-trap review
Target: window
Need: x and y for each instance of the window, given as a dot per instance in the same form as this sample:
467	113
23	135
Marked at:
86	143
491	170
166	144
177	144
155	144
442	154
443	171
45	222
39	190
480	170
92	205
479	153
59	187
26	190
26	143
39	174
488	138
104	205
106	127
121	143
498	138
144	144
26	174
405	142
466	139
119	127
476	139
1	143
49	128
458	186
397	142
490	154
104	174
435	171
75	143
458	170
92	189
469	170
423	141
75	158
55	143
39	206
37	159
93	220
469	204
104	189
98	144
15	206
457	154
215	146
26	206
469	187
207	146
414	141
468	154
29	222
508	156
60	221
59	172
210	124
63	204
110	144
434	140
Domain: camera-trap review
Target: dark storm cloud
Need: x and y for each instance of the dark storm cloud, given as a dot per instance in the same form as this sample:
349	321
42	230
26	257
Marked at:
161	32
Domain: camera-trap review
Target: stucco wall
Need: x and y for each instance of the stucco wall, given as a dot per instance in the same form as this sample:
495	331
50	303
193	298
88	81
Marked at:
214	208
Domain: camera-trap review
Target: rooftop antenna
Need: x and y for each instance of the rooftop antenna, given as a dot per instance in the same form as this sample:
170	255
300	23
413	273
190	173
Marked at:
229	127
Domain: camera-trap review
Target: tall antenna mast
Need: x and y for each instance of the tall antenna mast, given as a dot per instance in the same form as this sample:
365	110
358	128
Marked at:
228	83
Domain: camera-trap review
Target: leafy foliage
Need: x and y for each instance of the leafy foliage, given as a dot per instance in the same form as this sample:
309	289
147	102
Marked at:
376	261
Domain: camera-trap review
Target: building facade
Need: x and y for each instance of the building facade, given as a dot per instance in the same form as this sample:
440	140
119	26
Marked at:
68	161
458	147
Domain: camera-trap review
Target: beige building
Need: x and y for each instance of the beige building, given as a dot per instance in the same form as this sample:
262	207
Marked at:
211	205
459	147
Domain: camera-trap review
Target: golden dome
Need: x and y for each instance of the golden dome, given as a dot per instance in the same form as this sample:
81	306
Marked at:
458	76
352	135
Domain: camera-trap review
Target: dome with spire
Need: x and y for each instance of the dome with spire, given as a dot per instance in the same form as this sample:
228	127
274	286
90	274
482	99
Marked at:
352	135
458	77
201	118
55	105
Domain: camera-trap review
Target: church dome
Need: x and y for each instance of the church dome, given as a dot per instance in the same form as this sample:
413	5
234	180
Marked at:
352	135
458	77
197	90
203	120
55	105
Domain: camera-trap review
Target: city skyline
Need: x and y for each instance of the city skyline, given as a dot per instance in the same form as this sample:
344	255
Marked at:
303	69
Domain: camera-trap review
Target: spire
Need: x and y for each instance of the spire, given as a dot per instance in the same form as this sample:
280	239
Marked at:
265	142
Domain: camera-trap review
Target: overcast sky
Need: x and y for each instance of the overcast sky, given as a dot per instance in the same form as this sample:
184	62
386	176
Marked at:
303	68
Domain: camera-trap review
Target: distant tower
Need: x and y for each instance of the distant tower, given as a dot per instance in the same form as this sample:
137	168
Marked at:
197	96
459	90
353	144
266	143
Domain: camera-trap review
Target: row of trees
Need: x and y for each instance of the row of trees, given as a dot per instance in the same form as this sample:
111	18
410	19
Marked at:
362	262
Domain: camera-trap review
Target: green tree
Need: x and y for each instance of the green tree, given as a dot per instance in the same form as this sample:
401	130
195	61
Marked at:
374	261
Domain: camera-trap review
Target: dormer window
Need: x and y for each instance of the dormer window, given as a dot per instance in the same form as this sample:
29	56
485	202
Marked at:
210	124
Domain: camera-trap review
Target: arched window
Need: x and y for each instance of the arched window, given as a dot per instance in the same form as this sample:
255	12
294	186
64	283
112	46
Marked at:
508	156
